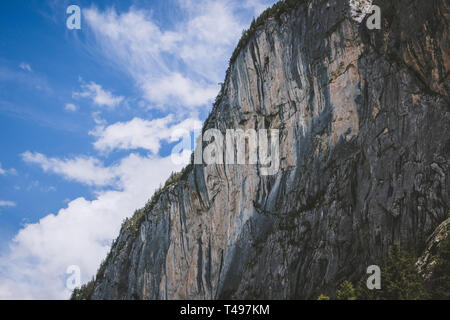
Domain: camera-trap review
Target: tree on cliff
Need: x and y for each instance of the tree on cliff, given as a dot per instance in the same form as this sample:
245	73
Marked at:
399	279
438	285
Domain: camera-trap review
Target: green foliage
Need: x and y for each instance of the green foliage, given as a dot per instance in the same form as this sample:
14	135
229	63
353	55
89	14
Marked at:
438	285
323	297
134	223
86	290
283	6
346	291
101	270
400	279
83	293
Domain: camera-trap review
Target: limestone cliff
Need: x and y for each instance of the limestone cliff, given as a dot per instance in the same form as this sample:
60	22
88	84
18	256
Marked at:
363	118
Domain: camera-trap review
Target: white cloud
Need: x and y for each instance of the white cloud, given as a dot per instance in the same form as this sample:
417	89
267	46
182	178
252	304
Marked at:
70	107
4	203
140	133
176	87
180	66
9	171
99	96
25	66
257	6
86	170
96	116
134	134
79	234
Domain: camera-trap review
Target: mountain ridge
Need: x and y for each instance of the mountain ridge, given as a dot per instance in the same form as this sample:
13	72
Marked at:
346	101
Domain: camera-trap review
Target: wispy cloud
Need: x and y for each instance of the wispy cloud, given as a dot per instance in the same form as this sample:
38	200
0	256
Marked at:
7	171
86	170
4	203
25	66
98	95
70	107
30	80
180	66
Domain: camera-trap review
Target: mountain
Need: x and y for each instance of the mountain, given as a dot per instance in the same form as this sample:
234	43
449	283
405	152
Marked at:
363	123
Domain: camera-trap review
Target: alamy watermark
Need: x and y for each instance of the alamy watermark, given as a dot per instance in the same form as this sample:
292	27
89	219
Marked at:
374	281
74	279
253	147
74	20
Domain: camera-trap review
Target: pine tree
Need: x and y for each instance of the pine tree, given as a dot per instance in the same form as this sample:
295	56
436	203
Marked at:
439	283
399	279
346	291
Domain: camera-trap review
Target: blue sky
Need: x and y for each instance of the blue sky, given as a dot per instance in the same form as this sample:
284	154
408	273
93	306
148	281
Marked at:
88	119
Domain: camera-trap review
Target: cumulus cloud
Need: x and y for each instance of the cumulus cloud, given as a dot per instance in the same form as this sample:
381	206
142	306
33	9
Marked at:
98	95
2	171
176	87
86	170
79	234
140	133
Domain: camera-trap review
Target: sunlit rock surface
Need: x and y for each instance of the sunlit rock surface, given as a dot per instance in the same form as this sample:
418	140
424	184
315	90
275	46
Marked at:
364	122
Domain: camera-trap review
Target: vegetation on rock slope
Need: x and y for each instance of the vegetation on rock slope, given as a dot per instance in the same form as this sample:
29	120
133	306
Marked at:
133	223
400	279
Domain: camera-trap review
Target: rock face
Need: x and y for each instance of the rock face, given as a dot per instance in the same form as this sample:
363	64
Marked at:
427	262
363	118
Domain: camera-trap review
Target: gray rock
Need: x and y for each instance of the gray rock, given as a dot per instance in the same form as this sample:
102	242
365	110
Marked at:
427	262
364	123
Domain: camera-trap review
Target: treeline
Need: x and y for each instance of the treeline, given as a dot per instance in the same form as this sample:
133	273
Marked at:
400	279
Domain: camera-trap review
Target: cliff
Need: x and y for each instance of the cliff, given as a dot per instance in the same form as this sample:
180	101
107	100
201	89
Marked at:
363	119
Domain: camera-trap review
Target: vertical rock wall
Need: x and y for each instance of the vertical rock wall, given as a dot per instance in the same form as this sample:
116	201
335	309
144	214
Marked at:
364	123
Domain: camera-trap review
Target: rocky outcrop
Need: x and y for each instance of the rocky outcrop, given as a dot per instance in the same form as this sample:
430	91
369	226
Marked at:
427	261
363	119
